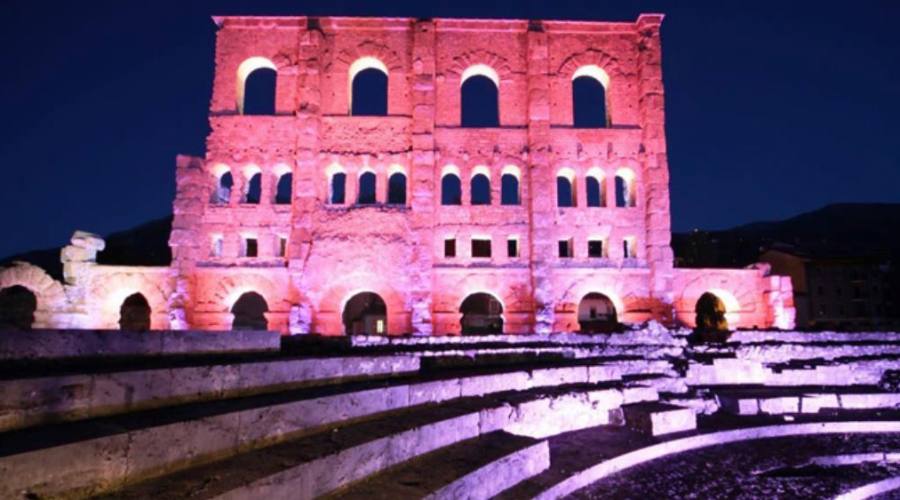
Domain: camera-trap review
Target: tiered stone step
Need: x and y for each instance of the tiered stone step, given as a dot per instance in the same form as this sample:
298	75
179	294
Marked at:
655	419
792	400
476	468
316	464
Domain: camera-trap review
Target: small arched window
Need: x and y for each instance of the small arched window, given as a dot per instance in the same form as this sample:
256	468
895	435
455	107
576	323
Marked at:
595	188
337	183
222	193
451	189
625	195
368	87
480	189
366	194
509	190
565	188
589	102
479	99
254	189
256	78
283	192
397	189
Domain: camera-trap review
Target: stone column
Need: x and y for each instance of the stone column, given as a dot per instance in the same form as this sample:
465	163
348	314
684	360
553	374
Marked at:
655	167
78	258
539	175
422	178
188	245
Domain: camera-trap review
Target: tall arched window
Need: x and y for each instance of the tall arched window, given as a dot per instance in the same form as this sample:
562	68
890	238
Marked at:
366	193
368	87
254	189
565	188
451	188
480	189
224	182
509	190
397	189
256	81
283	191
625	196
337	183
479	100
589	103
595	188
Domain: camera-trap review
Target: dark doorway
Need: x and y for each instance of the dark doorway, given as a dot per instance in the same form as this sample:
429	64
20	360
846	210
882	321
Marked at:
249	312
597	314
134	314
365	314
481	315
711	314
17	306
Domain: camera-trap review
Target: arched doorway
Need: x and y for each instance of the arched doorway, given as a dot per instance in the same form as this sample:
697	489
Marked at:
365	314
597	314
17	306
711	314
134	314
482	314
249	312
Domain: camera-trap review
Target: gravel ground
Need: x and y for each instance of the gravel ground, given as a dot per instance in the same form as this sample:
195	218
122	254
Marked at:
768	468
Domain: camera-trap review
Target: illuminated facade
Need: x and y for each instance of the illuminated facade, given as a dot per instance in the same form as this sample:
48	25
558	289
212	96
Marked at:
415	221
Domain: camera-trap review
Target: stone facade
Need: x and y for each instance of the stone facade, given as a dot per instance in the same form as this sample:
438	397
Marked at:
313	254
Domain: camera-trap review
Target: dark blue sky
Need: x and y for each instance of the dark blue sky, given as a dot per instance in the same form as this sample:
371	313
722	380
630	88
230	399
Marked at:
773	108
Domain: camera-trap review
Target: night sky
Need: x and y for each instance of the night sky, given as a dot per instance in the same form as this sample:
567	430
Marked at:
773	108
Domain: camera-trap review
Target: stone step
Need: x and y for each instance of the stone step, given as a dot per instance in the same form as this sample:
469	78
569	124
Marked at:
71	396
774	401
656	419
140	443
477	468
313	465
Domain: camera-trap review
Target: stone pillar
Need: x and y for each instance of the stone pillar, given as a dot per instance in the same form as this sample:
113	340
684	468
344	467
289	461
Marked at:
655	167
422	178
308	170
78	258
188	244
539	175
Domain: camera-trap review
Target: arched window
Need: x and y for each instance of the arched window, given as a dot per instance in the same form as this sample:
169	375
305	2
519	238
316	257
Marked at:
589	103
17	306
565	188
366	194
397	189
256	79
134	315
595	192
451	189
509	187
222	193
597	314
479	100
254	189
249	312
368	87
482	314
337	183
365	314
480	189
283	191
625	188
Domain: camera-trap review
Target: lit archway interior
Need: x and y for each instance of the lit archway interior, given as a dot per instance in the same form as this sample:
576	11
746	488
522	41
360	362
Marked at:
249	312
17	306
134	314
365	314
482	314
711	311
597	314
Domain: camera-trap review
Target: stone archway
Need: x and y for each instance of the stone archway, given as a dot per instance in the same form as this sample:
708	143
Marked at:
597	314
482	314
365	314
249	312
710	310
134	314
17	307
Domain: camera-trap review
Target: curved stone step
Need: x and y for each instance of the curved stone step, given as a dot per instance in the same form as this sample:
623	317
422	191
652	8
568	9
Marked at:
476	468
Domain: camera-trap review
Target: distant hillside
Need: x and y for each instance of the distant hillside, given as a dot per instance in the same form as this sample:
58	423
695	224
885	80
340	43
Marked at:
839	229
144	245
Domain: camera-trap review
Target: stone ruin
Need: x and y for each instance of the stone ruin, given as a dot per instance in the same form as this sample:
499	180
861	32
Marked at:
343	210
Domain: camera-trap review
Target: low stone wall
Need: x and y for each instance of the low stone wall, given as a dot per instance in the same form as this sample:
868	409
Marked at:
61	344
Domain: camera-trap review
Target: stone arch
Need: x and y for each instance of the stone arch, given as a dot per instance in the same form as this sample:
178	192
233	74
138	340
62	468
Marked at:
337	184
109	291
481	313
565	188
331	304
49	293
590	103
388	57
595	187
249	312
368	75
244	70
735	288
134	313
710	313
364	313
451	186
17	307
591	58
222	185
397	187
626	187
597	314
510	186
482	57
